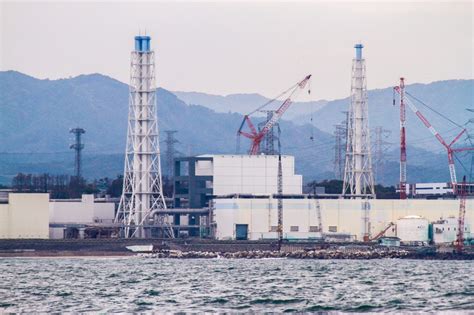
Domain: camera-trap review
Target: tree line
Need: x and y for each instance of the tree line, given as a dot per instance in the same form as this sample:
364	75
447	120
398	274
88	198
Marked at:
67	187
334	186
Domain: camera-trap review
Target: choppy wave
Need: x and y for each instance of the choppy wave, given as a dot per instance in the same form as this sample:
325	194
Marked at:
216	285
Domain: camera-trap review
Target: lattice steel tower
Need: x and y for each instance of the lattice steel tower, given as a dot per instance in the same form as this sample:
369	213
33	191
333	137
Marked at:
142	197
271	135
77	146
358	175
170	153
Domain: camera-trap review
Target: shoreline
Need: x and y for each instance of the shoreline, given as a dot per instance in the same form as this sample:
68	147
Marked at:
202	248
326	254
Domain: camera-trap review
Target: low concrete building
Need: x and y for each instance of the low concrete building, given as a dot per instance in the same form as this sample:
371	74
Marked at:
24	216
445	230
344	216
69	218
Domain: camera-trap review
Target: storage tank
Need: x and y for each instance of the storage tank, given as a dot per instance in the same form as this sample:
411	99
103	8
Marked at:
413	229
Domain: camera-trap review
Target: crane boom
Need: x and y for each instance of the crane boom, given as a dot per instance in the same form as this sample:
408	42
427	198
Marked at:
403	145
280	202
382	233
256	137
450	150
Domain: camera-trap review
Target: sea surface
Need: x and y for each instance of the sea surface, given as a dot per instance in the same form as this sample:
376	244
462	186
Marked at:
137	284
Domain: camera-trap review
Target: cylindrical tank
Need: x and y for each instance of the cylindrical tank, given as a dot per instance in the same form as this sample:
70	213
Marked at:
413	229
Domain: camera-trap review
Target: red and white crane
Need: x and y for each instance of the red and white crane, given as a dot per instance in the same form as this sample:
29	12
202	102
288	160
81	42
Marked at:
449	147
257	136
403	145
462	193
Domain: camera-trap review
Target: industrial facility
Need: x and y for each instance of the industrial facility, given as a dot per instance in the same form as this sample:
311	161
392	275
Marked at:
251	196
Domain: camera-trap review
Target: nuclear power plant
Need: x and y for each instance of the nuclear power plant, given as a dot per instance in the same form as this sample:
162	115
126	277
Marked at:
255	196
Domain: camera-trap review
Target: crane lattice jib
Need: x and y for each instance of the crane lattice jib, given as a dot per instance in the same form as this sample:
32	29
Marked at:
256	137
286	104
462	214
450	150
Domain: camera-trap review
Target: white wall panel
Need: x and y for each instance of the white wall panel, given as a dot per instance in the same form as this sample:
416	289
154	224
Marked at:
346	215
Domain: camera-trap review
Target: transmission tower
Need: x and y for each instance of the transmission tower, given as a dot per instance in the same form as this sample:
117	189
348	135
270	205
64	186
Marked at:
142	198
77	146
358	176
380	148
170	153
340	134
270	137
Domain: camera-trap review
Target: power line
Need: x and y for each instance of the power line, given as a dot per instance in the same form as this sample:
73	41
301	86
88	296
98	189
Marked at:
434	110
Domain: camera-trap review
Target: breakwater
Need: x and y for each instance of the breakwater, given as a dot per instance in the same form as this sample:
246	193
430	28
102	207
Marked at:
331	253
193	248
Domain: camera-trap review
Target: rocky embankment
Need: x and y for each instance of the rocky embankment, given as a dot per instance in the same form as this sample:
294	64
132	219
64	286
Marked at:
298	254
331	253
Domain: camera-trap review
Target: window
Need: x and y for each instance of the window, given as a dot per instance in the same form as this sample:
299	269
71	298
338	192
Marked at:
294	228
274	228
332	228
183	168
313	228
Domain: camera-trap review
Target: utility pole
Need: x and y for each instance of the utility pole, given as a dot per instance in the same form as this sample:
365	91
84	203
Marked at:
280	203
77	146
358	175
170	153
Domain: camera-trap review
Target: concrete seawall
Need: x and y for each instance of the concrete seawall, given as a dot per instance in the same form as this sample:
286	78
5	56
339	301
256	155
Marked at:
193	248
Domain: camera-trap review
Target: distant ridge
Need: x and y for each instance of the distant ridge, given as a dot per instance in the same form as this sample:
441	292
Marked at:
35	116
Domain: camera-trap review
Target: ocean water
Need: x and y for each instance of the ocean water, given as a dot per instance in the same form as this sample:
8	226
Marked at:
136	284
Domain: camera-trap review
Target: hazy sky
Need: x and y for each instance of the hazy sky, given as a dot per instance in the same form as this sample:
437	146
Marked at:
234	47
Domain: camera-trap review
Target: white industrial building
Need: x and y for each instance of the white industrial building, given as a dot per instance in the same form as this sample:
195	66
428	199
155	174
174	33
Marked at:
338	216
28	215
64	213
24	216
257	214
445	230
413	229
252	174
241	174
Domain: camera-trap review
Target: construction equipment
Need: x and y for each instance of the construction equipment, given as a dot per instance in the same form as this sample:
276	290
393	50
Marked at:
382	233
449	147
257	136
280	203
403	146
462	193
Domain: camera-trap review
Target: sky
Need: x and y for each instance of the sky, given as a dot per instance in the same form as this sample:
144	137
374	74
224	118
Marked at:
243	47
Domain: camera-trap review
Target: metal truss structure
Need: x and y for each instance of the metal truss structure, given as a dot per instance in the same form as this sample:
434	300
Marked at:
142	196
358	174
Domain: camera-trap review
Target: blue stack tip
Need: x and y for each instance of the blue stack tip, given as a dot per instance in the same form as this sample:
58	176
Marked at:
358	48
142	43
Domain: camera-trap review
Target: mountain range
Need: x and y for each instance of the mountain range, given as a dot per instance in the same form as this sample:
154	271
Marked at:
36	116
450	98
